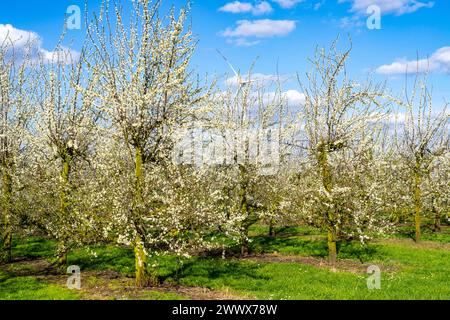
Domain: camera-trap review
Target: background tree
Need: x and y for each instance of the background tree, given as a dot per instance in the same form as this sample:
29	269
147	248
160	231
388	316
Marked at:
423	138
146	90
15	114
339	114
65	134
436	195
253	123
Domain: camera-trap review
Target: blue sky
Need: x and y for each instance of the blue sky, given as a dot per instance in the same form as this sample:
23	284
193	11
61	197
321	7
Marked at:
286	32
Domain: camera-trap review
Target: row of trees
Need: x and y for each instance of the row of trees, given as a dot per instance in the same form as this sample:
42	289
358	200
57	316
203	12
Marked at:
90	147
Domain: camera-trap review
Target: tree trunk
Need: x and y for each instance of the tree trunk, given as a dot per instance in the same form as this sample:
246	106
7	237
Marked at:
61	261
327	182
65	173
271	229
244	244
244	210
417	203
7	234
139	175
437	219
332	247
143	277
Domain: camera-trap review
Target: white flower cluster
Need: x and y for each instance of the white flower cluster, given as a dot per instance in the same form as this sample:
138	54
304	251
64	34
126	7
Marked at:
126	146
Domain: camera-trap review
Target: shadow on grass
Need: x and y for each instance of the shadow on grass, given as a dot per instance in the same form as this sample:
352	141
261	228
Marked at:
315	248
170	269
291	245
32	248
120	259
208	268
428	233
213	273
356	251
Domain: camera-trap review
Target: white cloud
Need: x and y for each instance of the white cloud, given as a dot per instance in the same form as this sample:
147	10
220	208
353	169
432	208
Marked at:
401	117
246	7
237	7
262	8
264	28
439	61
291	98
31	44
258	78
63	54
350	22
393	118
20	38
397	7
243	42
294	98
288	4
318	5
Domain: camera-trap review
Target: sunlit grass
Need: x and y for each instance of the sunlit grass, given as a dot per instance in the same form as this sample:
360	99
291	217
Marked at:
409	271
29	288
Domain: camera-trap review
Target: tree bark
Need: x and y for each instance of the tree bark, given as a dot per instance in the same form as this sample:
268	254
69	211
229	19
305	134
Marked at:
437	219
417	202
332	247
271	229
244	210
7	234
327	182
244	243
65	173
143	277
61	261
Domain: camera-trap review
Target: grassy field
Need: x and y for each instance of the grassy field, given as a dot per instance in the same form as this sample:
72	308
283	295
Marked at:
289	266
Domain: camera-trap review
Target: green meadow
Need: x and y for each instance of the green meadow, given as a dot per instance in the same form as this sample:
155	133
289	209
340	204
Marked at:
292	265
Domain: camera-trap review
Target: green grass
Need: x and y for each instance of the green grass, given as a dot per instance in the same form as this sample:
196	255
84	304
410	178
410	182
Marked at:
422	275
409	271
33	247
271	280
263	230
427	234
29	288
310	242
113	258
